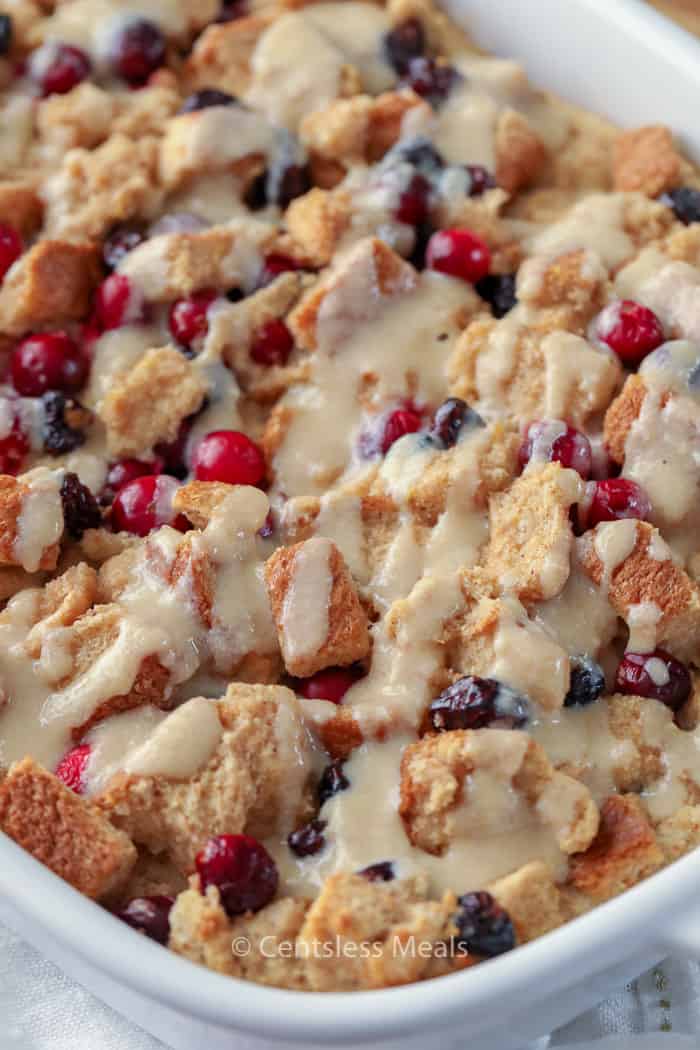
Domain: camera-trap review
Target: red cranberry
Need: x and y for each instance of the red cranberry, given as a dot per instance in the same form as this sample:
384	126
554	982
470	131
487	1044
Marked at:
617	498
459	253
10	247
138	49
13	449
47	361
272	344
145	504
117	303
480	180
403	43
656	675
127	470
149	915
188	317
73	766
631	330
242	870
484	927
118	244
401	421
474	703
414	201
555	442
275	264
58	68
331	684
309	839
431	80
228	456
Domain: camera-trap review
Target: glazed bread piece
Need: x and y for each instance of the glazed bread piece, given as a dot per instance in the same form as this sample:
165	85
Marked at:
68	835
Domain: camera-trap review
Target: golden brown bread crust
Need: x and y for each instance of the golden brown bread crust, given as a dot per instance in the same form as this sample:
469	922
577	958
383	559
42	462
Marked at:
646	160
50	285
65	833
621	415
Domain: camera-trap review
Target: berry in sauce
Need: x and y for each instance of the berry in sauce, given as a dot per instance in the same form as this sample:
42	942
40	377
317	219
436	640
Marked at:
656	675
553	441
484	927
58	68
272	343
187	319
48	361
242	870
228	456
150	916
498	290
73	767
145	504
587	682
80	508
475	703
403	43
307	840
330	684
332	781
617	498
459	253
450	419
138	49
631	330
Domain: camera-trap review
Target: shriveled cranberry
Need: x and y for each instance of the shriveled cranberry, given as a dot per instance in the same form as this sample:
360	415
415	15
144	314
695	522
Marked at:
432	80
414	202
556	442
331	684
401	421
657	675
6	34
420	153
332	781
65	423
229	456
13	449
617	498
499	291
382	871
73	767
286	183
10	247
171	455
205	99
403	43
150	916
138	49
242	870
145	504
117	303
587	682
272	343
450	419
80	508
58	68
275	264
309	839
631	330
480	180
474	703
188	317
118	244
126	470
685	202
484	927
47	361
459	253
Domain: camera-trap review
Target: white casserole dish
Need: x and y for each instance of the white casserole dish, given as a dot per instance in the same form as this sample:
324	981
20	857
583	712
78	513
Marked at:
620	58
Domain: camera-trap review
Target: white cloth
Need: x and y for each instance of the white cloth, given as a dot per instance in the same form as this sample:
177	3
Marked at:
41	1009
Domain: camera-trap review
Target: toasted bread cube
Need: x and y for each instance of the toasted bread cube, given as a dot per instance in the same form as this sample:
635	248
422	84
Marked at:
64	832
50	284
21	544
320	622
624	852
532	899
646	160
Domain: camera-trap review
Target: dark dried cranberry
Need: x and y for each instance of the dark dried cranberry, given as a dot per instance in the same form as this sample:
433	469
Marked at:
685	202
231	10
480	180
58	68
423	233
242	870
5	34
332	781
255	196
80	509
403	43
118	244
498	290
309	839
149	915
64	423
587	682
138	49
474	703
450	419
275	264
382	871
13	449
432	80
657	675
484	927
419	152
414	202
287	183
206	98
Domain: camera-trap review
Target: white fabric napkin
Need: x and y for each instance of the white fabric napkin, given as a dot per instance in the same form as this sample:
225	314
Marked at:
41	1009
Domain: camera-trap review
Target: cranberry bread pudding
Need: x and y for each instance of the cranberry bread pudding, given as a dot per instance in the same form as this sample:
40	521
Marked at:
349	469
